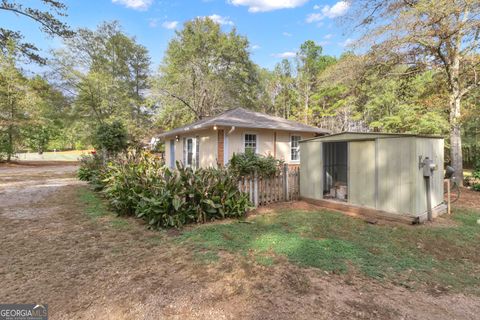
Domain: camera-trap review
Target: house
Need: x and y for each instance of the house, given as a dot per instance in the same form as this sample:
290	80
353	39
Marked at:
213	141
399	174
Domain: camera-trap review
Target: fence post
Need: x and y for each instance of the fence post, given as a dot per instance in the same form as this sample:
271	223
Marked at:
285	182
250	187
255	189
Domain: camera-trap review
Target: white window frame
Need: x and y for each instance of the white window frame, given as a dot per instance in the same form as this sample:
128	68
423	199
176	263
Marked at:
256	140
291	147
194	163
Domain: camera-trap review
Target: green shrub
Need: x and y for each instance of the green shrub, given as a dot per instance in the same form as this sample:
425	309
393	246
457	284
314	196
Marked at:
247	163
476	171
92	170
111	138
476	187
140	185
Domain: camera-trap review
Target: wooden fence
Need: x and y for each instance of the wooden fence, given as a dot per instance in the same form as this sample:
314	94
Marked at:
283	186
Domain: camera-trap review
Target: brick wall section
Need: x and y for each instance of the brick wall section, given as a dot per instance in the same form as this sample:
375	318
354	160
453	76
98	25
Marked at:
220	148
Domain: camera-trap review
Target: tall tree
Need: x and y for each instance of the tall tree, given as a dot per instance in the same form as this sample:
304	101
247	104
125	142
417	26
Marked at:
49	20
20	105
285	92
48	117
439	33
107	73
310	62
205	71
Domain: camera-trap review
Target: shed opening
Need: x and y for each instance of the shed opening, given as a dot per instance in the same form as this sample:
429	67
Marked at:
335	170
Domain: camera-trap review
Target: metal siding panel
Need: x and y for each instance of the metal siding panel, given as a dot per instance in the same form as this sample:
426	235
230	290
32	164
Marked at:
395	182
311	170
432	148
361	181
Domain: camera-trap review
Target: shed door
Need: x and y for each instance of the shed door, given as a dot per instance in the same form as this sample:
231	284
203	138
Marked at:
362	176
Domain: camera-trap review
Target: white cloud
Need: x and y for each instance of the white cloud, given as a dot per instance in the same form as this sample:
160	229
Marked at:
285	55
312	17
268	5
328	36
255	47
316	7
221	20
140	5
170	24
287	34
348	42
337	10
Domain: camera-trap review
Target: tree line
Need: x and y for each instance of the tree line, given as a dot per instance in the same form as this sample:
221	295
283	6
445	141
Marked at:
417	73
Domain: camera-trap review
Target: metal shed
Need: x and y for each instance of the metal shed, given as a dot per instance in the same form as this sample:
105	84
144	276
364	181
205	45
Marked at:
383	172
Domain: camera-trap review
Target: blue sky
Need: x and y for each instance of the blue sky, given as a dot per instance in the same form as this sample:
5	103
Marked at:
275	28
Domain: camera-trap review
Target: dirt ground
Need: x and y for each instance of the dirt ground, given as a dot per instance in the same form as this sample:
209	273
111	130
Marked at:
83	268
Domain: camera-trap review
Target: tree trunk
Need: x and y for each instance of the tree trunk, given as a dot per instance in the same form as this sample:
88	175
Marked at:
455	136
10	143
306	106
456	157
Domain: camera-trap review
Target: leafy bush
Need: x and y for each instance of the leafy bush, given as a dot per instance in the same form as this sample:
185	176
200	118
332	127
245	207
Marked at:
476	172
92	170
138	184
247	163
476	187
111	137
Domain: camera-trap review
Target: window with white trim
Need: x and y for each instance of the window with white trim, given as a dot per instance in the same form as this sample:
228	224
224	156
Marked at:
250	142
295	148
191	152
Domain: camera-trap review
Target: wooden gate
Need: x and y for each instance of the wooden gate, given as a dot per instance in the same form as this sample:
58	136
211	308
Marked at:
283	186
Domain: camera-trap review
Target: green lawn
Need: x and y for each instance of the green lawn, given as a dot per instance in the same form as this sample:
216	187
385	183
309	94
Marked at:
445	257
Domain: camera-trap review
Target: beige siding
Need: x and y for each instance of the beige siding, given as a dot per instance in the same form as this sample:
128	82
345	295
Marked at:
265	142
167	152
432	148
283	146
208	148
311	170
207	152
362	173
234	143
395	181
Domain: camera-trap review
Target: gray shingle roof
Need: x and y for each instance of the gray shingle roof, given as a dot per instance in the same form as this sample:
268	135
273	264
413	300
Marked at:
243	118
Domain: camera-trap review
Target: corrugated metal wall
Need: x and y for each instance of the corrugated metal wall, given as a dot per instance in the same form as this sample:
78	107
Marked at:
396	184
311	170
383	171
362	173
432	148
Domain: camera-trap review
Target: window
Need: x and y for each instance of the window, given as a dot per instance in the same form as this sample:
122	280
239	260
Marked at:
295	148
251	142
191	152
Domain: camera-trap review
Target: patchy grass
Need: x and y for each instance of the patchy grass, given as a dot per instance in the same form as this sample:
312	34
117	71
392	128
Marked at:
94	206
442	257
120	224
445	258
